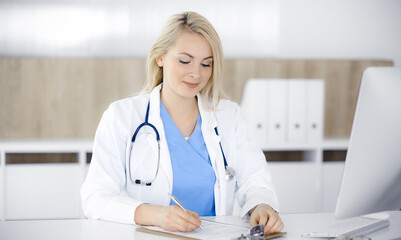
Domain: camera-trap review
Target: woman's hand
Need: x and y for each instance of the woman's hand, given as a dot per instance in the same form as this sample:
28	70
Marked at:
171	218
264	214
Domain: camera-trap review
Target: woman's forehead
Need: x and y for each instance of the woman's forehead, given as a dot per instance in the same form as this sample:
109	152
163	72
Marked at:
193	44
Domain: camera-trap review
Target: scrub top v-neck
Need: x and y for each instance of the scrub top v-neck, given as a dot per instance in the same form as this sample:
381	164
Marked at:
193	174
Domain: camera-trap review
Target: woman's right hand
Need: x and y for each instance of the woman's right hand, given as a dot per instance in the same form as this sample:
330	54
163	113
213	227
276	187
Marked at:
170	218
173	218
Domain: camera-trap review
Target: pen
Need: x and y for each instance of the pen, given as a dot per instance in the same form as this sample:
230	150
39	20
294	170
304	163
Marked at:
180	205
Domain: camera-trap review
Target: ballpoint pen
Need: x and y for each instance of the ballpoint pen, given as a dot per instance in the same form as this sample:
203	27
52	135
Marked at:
181	206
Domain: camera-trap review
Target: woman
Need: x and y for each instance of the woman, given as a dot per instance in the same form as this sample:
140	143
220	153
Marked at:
202	137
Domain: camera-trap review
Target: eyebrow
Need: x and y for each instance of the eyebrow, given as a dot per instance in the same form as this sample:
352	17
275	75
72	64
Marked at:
189	55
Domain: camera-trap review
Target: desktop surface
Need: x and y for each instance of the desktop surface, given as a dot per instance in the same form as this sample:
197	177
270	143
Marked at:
80	229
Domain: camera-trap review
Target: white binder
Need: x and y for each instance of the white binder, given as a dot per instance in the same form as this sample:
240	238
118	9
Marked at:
253	108
276	110
296	110
315	109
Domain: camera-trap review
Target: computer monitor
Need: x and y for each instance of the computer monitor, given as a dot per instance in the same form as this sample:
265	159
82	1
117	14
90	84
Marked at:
372	175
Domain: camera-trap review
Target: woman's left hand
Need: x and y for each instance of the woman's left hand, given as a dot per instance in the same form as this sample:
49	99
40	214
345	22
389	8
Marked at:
264	214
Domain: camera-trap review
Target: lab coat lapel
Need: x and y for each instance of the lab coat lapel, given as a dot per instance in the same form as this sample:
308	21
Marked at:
155	119
212	140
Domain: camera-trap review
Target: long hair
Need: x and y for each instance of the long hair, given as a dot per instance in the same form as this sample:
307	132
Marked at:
175	26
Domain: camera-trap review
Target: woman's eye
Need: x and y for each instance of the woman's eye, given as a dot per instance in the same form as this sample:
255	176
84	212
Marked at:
206	64
183	62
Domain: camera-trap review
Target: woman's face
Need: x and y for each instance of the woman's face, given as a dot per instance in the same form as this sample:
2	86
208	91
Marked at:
187	66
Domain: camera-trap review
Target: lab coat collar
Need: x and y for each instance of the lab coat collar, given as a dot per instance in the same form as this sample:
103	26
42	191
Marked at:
155	119
212	141
207	115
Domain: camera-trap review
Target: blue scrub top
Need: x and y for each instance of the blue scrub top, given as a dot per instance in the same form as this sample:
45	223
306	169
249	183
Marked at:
193	174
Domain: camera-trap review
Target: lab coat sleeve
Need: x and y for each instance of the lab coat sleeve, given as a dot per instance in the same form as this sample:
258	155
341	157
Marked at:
254	181
100	193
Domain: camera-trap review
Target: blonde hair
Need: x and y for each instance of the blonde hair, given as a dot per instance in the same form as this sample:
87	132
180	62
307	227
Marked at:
175	26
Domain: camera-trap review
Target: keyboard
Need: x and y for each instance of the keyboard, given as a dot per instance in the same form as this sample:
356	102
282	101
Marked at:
357	226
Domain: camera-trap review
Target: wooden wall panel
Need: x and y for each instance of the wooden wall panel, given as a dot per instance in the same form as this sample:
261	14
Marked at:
342	78
65	98
62	98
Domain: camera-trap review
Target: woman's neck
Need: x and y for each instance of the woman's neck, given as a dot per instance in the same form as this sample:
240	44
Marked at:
179	105
183	111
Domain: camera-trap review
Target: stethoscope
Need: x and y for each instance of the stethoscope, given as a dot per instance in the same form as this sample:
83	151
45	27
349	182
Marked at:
229	171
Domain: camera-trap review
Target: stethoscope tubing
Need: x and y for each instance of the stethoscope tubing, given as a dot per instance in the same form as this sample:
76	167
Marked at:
230	172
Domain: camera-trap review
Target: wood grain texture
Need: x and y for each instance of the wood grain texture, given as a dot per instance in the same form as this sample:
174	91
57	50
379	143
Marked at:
65	97
342	80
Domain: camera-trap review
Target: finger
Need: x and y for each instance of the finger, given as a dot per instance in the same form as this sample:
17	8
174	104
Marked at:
270	223
263	219
183	225
176	220
195	214
191	217
254	219
277	227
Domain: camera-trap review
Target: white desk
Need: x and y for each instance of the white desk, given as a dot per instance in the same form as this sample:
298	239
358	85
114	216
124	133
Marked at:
80	229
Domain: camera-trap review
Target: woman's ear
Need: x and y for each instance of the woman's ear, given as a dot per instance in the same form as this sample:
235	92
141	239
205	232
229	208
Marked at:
159	61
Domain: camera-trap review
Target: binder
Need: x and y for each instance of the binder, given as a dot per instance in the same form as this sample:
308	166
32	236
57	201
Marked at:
276	110
296	110
315	109
253	108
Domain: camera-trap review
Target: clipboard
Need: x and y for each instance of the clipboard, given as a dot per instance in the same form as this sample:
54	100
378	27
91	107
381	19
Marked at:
165	234
181	237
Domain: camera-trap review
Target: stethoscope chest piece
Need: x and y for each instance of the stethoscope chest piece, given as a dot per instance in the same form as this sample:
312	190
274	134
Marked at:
230	173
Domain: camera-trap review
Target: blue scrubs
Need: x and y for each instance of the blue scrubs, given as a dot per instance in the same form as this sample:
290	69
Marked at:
193	175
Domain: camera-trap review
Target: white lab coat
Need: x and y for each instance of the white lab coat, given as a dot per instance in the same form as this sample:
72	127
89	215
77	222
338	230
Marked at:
109	194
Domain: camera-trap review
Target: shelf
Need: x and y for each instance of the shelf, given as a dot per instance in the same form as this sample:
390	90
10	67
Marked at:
335	144
303	162
326	144
46	145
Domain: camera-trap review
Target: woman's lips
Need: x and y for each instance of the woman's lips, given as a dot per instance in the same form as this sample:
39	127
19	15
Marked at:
191	85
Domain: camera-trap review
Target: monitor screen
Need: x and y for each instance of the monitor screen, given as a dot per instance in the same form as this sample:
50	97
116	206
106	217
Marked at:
372	175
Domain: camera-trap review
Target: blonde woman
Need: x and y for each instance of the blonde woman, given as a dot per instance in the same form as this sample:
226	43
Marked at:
180	137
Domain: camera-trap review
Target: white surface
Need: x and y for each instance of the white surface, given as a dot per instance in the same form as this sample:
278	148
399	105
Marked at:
276	110
83	229
128	28
46	145
212	230
254	94
306	174
335	29
43	191
314	110
297	110
338	29
296	186
331	180
284	111
371	181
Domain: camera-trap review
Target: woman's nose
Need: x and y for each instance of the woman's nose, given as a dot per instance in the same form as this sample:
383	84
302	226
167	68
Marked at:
195	74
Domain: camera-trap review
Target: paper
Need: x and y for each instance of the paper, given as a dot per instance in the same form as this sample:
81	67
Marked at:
213	230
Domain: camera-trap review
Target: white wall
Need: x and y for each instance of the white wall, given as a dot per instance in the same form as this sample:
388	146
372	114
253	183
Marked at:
125	28
367	29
